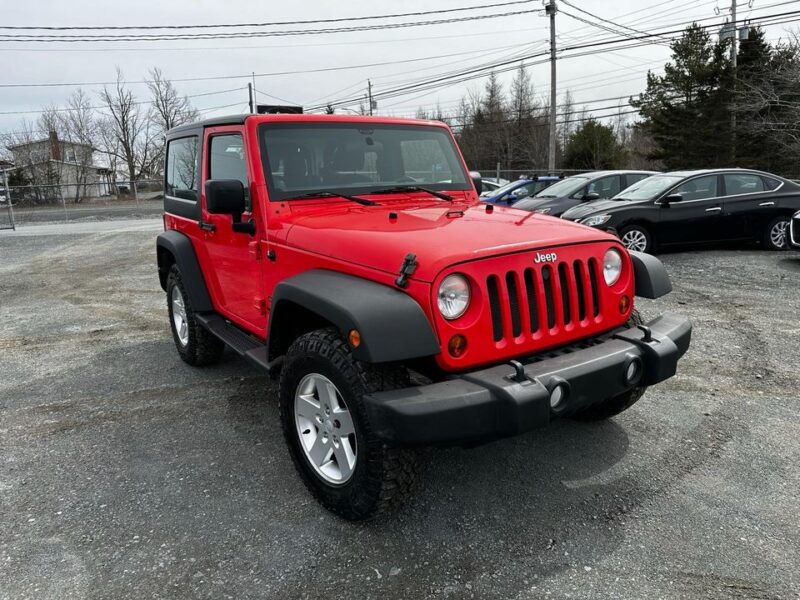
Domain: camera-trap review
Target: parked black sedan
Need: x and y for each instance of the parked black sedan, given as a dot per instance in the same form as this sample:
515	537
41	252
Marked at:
687	207
577	189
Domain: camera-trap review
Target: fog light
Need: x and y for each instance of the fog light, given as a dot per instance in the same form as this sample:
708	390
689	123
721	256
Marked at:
457	345
354	338
624	304
633	371
557	396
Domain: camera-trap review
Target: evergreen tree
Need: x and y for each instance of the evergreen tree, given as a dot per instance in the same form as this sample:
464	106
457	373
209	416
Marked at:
593	146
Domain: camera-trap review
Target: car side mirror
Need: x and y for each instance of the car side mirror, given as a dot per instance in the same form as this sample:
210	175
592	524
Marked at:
226	197
672	198
477	181
591	196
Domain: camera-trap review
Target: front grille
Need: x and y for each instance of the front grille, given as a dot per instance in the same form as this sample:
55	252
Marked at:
541	300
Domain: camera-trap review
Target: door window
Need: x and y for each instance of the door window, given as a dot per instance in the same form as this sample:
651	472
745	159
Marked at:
699	188
181	175
740	183
632	178
770	183
606	187
227	161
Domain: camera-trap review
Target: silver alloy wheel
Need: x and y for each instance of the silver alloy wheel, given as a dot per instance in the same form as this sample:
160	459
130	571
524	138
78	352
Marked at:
325	428
777	235
635	240
179	316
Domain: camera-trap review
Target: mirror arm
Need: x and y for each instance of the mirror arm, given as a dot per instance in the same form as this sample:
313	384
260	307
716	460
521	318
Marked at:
238	226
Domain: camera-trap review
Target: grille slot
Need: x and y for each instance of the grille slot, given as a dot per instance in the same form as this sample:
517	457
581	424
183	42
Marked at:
535	300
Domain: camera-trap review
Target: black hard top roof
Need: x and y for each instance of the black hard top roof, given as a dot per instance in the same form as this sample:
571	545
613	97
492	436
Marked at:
214	122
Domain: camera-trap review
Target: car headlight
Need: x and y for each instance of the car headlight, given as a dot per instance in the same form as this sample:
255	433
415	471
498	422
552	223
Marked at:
542	211
595	220
453	296
612	266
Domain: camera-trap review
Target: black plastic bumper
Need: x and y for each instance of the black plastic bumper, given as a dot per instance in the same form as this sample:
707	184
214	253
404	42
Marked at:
499	401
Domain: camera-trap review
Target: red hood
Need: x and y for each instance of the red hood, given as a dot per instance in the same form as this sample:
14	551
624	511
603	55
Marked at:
434	232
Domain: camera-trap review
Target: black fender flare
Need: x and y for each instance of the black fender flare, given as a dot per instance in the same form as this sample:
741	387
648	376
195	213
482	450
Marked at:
392	324
650	276
180	247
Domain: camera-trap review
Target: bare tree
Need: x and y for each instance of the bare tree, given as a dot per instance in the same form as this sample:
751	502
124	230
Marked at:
129	123
169	109
79	123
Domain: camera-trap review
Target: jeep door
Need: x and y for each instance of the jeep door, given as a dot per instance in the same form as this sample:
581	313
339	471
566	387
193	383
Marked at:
697	217
236	278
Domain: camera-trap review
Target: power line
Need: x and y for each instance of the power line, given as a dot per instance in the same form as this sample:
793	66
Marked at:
269	24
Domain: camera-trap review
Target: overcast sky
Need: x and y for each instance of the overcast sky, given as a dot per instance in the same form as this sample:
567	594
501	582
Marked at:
599	76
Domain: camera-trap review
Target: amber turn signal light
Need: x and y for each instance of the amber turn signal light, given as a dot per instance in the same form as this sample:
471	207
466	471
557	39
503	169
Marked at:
354	337
457	345
624	304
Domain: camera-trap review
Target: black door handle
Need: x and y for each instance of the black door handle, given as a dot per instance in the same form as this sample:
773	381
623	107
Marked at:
207	226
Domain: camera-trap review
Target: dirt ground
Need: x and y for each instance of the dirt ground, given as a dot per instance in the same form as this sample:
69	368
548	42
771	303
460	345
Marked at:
125	473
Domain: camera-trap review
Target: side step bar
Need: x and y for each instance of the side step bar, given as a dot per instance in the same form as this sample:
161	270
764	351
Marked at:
253	350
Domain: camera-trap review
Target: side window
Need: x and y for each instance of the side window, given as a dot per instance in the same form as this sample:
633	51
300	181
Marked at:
632	178
699	188
181	175
770	183
606	187
741	183
226	161
524	191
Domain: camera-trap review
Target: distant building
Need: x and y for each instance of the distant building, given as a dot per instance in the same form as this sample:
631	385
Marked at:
61	169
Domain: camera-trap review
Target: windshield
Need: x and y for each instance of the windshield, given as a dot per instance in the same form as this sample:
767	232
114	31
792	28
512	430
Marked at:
504	189
648	189
565	187
357	158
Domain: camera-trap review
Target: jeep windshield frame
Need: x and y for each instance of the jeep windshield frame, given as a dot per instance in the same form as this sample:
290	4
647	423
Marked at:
356	158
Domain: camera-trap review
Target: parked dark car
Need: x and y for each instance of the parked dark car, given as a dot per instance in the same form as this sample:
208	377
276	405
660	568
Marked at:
578	189
519	189
686	207
794	231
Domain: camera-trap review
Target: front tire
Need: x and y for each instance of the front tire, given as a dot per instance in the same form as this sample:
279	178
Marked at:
334	448
777	234
614	406
195	345
636	238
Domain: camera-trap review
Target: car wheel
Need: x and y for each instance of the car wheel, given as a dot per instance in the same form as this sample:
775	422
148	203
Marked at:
636	238
613	406
331	440
195	345
776	236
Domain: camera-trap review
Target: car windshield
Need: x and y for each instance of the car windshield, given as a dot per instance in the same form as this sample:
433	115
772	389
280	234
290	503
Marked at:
648	189
358	158
565	187
504	189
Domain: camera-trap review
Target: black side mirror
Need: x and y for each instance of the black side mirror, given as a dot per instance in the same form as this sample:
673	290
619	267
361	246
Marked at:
477	181
591	196
226	197
672	198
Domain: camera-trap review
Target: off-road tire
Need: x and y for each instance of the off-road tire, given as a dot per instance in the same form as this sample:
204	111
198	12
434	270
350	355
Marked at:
649	247
769	244
382	476
614	406
202	348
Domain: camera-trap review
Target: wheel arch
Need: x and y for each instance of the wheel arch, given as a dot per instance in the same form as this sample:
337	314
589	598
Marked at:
175	248
392	326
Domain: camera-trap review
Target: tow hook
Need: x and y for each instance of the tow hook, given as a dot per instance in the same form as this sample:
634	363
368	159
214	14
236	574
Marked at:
519	372
406	270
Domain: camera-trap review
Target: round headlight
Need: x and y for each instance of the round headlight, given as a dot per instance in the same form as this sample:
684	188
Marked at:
453	296
612	266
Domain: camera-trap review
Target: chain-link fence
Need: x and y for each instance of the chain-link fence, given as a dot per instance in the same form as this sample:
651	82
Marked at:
27	204
495	173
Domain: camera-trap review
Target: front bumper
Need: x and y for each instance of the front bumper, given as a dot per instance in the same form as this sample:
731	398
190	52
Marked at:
502	400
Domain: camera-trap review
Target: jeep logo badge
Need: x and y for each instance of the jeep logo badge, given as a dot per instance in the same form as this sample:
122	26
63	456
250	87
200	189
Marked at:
549	257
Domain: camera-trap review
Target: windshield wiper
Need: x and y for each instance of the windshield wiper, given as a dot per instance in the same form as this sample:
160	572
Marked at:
413	188
326	194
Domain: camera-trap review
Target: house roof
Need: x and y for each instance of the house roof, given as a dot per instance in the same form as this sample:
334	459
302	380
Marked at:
47	140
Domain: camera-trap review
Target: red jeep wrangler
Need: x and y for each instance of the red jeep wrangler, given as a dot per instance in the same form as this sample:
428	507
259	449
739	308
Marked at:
350	256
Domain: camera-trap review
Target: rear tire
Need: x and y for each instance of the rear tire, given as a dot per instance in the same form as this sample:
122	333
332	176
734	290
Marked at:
613	406
776	237
344	465
636	238
195	345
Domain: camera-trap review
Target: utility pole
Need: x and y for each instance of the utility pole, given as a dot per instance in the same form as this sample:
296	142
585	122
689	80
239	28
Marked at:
733	65
550	9
250	94
369	96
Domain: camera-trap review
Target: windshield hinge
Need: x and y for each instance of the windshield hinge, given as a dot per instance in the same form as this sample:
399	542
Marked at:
406	270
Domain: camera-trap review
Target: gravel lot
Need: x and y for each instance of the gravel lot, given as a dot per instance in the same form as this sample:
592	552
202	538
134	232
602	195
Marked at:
124	473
